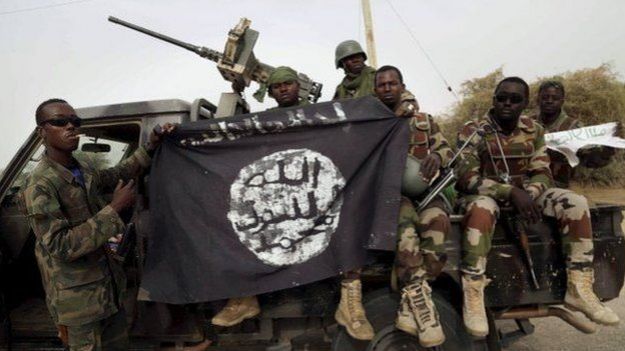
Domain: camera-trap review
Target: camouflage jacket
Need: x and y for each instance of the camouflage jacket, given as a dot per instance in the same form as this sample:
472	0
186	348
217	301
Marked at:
366	88
72	224
560	168
358	87
524	151
426	137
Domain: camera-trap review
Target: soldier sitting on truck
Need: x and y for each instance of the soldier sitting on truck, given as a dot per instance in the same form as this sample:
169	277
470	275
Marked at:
509	165
284	88
552	116
421	236
359	78
72	223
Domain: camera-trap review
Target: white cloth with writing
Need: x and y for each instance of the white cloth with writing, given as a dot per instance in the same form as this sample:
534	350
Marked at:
570	141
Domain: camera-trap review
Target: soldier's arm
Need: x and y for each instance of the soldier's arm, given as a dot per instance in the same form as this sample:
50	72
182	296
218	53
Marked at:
439	144
540	175
470	180
55	233
127	169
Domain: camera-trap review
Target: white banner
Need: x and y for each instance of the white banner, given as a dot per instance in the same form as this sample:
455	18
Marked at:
568	142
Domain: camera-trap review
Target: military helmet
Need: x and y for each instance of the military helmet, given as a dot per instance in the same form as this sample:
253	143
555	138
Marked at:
345	49
412	183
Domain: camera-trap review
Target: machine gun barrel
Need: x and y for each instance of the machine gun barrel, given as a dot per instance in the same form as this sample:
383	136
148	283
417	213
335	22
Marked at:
205	52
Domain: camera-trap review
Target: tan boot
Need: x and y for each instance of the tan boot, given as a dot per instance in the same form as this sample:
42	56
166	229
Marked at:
473	310
422	318
236	311
350	312
581	297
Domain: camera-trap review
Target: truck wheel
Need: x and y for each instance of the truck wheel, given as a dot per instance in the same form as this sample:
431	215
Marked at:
381	308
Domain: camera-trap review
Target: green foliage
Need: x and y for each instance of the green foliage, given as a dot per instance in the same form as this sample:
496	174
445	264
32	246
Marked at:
594	95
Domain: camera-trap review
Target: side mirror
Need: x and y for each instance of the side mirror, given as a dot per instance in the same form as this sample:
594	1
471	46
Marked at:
95	147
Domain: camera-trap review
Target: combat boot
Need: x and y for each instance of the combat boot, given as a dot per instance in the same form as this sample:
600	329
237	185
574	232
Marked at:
350	312
473	310
236	311
418	315
581	297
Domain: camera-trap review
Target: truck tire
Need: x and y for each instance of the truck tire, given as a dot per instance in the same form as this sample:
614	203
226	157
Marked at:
381	308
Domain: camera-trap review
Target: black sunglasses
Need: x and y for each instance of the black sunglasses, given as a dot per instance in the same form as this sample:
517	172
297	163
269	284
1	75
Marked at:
514	98
63	121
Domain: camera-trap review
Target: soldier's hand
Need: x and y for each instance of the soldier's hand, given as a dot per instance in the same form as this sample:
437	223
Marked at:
157	134
430	165
407	108
524	204
123	196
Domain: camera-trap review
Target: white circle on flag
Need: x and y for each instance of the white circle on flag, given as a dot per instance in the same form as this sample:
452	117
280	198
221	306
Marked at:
285	206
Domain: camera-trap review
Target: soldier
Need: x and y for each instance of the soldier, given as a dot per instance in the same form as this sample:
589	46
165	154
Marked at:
551	115
72	224
421	237
359	78
513	148
284	88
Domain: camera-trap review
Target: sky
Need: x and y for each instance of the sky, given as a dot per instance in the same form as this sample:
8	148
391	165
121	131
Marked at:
68	49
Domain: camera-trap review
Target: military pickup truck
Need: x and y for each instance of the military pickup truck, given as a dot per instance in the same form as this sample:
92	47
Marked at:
295	319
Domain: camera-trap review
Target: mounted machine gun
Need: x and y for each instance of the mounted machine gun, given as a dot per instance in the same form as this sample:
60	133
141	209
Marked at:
237	63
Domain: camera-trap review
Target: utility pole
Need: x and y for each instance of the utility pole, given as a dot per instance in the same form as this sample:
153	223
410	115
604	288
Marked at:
366	13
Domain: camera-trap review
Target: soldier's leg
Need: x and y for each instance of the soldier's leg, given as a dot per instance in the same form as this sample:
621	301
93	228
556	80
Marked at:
86	337
408	259
573	216
434	227
115	332
478	227
236	311
110	333
417	314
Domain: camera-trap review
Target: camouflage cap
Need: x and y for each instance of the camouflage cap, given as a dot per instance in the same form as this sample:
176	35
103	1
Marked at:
282	74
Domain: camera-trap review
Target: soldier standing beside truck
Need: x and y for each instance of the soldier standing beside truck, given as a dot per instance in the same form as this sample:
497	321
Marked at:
510	165
421	236
72	223
552	116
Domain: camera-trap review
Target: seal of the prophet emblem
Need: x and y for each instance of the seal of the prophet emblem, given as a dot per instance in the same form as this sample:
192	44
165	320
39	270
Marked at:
285	206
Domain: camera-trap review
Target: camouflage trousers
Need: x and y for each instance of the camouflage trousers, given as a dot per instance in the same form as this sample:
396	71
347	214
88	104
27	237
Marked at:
110	333
568	208
421	240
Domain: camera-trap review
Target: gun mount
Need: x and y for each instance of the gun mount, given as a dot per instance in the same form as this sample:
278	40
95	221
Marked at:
237	63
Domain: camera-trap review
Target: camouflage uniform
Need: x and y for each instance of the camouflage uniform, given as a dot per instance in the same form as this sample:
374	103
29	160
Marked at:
352	87
72	223
421	237
560	168
526	155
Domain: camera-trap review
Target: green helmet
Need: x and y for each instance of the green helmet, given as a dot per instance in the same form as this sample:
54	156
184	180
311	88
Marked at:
412	184
345	49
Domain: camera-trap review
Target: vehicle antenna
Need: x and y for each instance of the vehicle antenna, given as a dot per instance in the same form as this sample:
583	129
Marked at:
420	47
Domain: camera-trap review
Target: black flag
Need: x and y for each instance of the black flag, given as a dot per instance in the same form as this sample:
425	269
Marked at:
261	202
